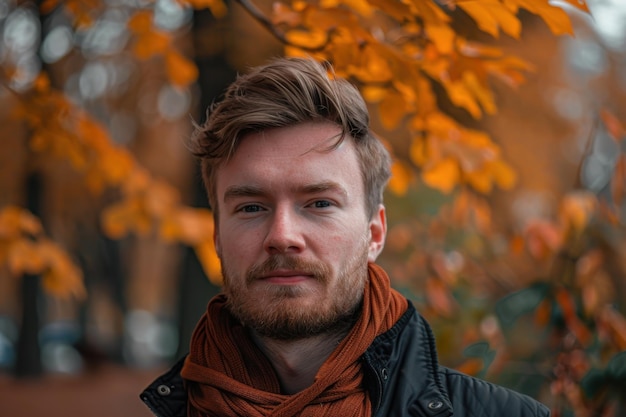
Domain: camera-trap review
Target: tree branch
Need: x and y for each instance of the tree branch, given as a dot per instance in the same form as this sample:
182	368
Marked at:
258	15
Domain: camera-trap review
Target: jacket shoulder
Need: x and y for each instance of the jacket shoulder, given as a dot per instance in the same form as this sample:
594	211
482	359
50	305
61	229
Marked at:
486	399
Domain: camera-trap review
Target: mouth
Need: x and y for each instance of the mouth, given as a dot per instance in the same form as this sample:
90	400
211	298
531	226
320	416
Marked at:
286	277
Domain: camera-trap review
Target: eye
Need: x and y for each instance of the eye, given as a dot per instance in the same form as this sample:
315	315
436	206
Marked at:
321	204
251	208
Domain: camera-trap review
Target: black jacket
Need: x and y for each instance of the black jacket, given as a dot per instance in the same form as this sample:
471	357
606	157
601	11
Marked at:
403	377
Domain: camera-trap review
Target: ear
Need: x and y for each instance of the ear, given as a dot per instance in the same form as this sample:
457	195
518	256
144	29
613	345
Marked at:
378	233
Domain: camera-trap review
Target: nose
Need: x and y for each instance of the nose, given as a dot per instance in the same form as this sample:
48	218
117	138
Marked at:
284	234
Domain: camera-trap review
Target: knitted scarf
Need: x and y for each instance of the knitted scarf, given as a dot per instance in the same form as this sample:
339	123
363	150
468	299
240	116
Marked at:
227	375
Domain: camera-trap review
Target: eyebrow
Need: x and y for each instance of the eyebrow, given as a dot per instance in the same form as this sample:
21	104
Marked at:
236	191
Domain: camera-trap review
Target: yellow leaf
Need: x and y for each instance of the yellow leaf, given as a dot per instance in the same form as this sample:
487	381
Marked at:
180	71
443	175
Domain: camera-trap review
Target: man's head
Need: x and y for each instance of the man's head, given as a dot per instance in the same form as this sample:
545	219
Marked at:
288	92
295	179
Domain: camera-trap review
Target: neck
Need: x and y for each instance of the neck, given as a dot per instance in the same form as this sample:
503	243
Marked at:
297	362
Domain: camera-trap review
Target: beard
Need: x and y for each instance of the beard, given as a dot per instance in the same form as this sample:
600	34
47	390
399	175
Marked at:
292	312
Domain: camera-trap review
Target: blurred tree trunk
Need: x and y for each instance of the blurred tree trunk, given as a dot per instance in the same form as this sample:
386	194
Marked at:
28	355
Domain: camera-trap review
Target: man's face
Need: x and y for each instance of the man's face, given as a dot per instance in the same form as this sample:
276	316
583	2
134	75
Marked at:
292	234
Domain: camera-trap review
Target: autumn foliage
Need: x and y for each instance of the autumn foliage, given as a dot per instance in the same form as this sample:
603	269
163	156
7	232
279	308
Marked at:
413	60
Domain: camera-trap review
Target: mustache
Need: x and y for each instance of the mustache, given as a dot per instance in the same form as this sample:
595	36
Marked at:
318	270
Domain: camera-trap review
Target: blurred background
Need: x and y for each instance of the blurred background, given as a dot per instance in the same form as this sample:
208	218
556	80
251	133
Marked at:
506	207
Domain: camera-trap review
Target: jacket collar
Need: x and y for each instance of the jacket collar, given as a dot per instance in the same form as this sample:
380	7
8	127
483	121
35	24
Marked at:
402	363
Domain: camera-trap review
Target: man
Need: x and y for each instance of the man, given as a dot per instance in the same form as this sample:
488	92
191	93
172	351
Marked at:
307	324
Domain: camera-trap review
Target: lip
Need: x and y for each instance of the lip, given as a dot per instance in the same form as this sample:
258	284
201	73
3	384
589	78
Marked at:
285	277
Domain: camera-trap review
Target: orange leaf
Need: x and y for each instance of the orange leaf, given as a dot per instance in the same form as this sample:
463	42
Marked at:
418	151
217	7
209	260
439	297
151	43
471	366
616	324
614	126
401	178
62	278
116	165
480	180
281	13
192	226
543	239
24	257
579	4
392	109
180	71
543	312
503	174
48	6
14	221
577	209
141	22
443	175
618	181
396	9
568	307
491	16
442	36
312	39
557	20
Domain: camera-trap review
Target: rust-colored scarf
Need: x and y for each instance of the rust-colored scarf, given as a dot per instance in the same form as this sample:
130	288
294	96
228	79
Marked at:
227	375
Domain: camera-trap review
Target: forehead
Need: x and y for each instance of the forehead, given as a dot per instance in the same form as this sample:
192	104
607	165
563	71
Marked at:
295	154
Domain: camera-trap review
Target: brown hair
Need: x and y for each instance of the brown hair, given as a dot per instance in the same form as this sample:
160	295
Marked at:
286	92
